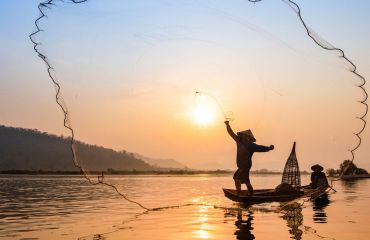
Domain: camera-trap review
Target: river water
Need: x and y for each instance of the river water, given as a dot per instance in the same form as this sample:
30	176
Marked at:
67	207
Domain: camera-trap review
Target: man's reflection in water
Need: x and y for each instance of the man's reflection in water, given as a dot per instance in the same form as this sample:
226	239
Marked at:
318	206
244	226
243	223
293	216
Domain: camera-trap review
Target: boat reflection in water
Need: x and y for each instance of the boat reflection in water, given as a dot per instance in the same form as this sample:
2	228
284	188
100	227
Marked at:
244	218
293	216
318	207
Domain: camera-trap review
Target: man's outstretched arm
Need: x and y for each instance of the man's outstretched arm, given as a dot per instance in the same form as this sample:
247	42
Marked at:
230	131
261	148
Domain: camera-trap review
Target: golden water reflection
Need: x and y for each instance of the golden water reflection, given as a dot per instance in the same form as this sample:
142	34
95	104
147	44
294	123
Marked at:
68	208
203	227
243	223
203	221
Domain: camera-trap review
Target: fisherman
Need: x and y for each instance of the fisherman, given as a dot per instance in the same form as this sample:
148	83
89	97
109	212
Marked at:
318	178
245	149
101	178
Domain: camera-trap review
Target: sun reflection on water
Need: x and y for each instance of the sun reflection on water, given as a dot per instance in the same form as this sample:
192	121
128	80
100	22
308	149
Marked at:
203	227
203	234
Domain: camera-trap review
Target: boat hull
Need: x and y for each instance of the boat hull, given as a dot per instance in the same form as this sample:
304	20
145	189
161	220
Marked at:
269	195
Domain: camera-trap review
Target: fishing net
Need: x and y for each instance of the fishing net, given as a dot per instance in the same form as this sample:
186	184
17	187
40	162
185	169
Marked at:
351	68
128	71
291	173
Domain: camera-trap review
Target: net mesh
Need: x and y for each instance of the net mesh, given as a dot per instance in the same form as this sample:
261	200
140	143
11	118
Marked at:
291	174
102	171
150	43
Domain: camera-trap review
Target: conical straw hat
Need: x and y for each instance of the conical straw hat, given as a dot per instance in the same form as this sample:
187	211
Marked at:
317	167
248	133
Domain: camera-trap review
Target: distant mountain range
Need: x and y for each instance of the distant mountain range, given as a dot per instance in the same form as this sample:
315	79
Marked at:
32	150
161	163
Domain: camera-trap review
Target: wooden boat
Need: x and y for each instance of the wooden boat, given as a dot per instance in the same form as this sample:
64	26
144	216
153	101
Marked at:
291	176
269	195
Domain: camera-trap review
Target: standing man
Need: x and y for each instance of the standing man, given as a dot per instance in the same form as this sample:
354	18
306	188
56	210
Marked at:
245	149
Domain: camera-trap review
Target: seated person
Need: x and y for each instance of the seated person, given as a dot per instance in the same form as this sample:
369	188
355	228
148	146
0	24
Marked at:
318	178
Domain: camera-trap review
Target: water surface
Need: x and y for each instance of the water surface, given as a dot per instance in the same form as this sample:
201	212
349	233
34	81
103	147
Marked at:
67	207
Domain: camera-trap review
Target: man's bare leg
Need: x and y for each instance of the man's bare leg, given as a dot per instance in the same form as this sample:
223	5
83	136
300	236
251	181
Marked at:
238	186
250	188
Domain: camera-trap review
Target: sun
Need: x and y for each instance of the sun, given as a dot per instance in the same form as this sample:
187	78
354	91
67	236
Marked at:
203	116
204	113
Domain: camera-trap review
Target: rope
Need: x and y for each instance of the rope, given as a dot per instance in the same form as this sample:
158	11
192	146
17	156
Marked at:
353	69
59	99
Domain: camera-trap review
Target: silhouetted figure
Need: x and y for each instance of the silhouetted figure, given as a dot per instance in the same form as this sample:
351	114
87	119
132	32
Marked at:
245	149
101	178
318	178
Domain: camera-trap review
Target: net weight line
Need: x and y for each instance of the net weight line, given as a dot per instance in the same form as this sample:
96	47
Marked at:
353	69
59	99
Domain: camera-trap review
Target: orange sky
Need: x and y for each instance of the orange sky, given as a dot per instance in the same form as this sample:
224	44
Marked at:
129	81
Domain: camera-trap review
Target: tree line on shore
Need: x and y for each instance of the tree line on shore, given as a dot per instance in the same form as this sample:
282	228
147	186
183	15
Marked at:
347	167
31	150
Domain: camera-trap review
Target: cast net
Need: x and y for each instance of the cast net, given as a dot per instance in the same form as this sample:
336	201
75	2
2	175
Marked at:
129	70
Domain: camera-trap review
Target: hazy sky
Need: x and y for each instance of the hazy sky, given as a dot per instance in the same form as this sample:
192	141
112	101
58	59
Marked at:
129	70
